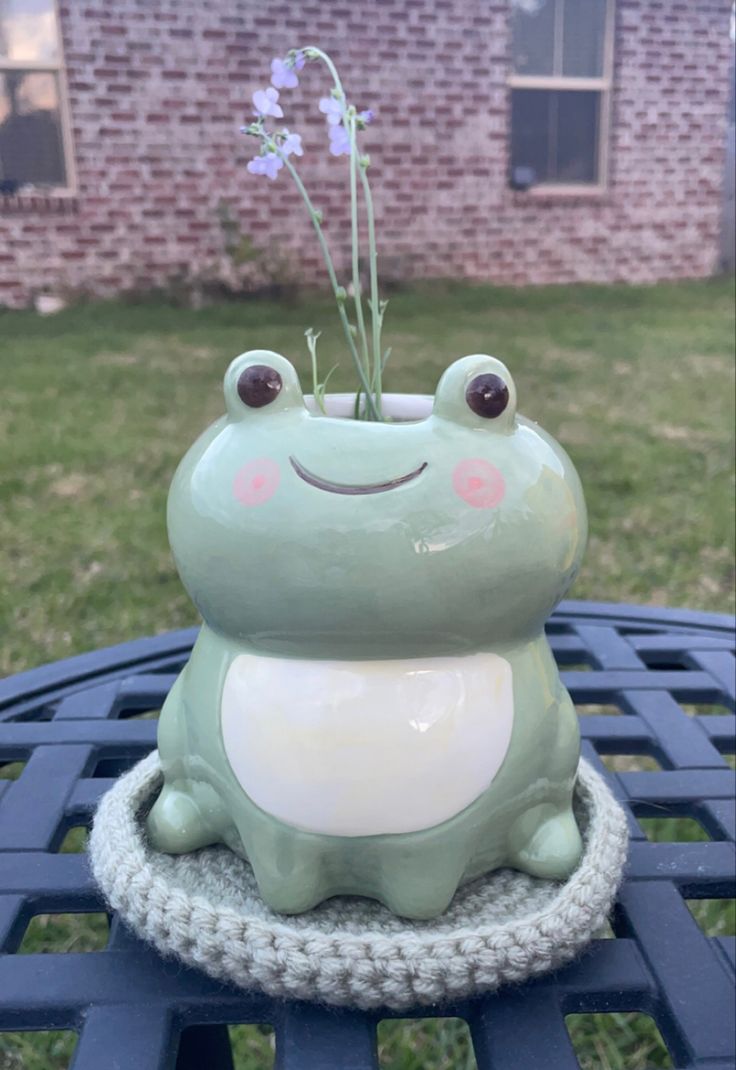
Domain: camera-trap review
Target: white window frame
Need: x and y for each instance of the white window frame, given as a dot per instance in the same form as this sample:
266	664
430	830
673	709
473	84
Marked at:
602	85
58	67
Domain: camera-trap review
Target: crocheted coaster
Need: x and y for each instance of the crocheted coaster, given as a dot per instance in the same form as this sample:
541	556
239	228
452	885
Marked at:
205	909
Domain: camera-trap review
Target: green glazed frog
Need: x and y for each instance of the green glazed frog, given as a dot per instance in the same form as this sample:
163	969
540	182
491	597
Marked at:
371	706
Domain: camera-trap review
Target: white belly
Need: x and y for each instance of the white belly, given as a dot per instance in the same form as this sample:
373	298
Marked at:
366	747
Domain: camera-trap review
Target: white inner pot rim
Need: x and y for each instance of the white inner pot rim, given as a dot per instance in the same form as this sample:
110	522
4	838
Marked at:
396	406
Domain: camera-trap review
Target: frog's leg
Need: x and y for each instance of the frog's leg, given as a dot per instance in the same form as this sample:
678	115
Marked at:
176	824
294	892
409	882
415	875
545	840
421	884
181	818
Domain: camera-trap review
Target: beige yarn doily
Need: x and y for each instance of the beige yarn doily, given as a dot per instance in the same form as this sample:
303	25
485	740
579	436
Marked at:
204	908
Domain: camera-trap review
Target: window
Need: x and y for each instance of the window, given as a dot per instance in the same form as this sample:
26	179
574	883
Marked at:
560	92
34	128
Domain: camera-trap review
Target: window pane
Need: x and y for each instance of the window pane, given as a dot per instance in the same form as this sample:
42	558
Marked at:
583	35
531	131
533	29
28	30
556	134
31	147
577	137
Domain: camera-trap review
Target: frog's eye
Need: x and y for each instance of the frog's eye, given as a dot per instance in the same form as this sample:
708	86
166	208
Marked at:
478	391
487	395
259	385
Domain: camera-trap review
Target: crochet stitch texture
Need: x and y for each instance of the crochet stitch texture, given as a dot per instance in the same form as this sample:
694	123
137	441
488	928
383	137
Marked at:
204	908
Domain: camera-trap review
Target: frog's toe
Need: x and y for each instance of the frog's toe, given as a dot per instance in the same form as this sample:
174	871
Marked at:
418	903
292	891
553	850
422	890
175	824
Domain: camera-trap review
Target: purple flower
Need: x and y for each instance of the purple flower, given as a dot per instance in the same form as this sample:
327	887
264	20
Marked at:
292	143
265	102
299	60
269	165
333	109
339	141
282	75
366	116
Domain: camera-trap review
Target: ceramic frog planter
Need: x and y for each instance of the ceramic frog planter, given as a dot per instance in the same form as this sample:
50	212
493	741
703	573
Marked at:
371	706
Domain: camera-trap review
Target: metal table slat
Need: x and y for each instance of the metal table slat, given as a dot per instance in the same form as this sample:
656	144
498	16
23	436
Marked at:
149	1043
74	724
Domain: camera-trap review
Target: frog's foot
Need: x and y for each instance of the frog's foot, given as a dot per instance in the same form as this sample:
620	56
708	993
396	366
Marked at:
301	890
175	824
418	891
546	843
421	883
419	899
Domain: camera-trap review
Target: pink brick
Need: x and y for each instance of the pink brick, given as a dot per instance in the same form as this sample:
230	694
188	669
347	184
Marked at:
158	92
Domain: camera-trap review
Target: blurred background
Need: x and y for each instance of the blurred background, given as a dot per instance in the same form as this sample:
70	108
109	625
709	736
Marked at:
515	142
554	184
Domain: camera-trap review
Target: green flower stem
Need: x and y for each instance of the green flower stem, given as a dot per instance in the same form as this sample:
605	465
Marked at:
336	288
376	315
312	347
316	53
373	391
357	293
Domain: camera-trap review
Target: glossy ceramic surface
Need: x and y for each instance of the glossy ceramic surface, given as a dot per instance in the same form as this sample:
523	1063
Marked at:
360	748
371	706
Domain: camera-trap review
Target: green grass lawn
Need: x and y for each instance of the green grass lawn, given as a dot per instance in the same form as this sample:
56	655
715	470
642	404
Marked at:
100	402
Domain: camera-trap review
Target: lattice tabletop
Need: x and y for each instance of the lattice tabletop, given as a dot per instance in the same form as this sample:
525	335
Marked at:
76	724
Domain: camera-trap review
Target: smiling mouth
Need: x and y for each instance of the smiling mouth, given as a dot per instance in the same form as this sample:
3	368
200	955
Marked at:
353	488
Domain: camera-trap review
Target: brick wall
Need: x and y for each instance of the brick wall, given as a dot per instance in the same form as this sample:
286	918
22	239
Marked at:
159	90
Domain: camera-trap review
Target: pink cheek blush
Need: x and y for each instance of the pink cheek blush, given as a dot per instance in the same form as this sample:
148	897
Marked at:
479	483
256	481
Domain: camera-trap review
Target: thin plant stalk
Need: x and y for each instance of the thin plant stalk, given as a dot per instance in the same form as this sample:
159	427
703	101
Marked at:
337	290
355	240
376	311
376	316
316	53
369	361
312	338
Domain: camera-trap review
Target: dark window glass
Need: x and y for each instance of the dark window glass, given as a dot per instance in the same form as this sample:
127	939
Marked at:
530	131
31	146
28	31
577	137
533	36
555	132
559	37
583	37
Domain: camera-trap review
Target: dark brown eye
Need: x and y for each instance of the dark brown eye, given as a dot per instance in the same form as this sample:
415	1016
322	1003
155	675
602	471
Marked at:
259	385
487	395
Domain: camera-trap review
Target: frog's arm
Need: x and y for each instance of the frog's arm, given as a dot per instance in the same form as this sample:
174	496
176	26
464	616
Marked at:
192	705
545	840
187	813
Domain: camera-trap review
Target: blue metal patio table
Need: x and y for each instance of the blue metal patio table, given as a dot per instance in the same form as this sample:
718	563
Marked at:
77	725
